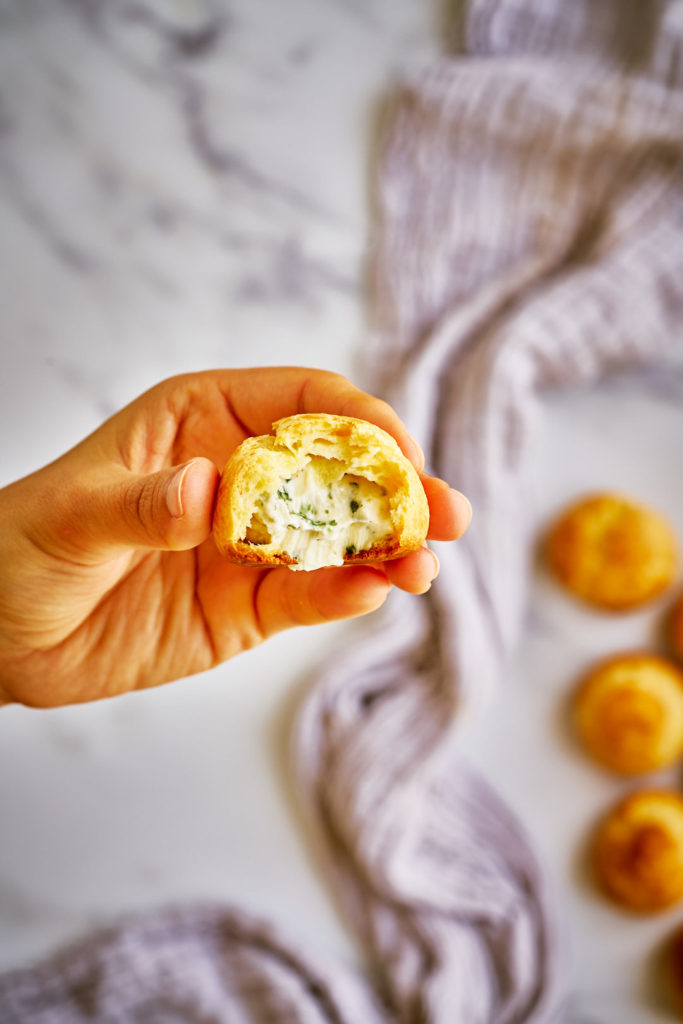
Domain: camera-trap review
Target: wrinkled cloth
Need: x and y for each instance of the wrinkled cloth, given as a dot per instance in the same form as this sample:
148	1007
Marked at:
529	237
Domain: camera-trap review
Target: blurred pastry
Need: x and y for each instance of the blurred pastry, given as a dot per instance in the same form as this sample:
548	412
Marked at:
628	713
612	552
675	965
323	490
675	630
638	851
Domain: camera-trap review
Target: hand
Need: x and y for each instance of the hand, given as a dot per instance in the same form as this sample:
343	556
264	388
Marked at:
110	578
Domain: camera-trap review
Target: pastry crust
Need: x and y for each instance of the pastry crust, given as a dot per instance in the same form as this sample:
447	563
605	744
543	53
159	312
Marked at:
611	552
638	851
329	448
628	712
675	965
675	628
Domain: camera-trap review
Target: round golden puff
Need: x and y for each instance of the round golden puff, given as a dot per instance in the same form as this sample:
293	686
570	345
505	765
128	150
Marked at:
612	552
628	713
675	966
638	851
259	465
675	628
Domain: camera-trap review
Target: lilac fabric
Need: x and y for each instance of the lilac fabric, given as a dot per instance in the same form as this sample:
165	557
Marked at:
530	237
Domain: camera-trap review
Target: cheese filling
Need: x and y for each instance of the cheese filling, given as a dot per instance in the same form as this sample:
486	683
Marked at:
321	514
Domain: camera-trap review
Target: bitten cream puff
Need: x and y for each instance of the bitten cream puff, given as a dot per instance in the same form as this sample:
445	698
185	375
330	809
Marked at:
611	552
322	490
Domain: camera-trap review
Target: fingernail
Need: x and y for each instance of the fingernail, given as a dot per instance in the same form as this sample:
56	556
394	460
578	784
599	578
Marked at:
174	491
437	564
466	500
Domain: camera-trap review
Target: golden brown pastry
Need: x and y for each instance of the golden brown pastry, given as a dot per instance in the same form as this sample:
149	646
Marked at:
612	552
676	628
675	965
323	490
638	851
628	713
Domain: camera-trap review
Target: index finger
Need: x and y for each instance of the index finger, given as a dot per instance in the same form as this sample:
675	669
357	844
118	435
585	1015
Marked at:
449	511
259	396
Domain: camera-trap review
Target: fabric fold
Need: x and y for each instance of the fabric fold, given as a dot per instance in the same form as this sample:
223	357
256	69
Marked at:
530	238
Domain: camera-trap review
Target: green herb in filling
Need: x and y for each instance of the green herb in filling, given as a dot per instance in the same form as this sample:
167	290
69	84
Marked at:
355	505
282	493
351	549
307	512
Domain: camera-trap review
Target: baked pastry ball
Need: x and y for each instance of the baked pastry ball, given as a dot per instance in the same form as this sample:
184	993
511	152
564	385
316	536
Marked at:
676	628
638	851
611	552
675	965
628	712
323	490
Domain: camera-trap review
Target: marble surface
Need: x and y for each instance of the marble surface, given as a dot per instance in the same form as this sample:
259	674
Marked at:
183	184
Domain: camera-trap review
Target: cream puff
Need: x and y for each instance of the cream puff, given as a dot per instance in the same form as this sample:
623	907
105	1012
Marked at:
675	628
628	713
321	490
638	851
611	552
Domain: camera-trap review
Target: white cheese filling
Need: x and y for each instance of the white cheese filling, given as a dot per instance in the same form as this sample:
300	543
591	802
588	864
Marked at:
320	514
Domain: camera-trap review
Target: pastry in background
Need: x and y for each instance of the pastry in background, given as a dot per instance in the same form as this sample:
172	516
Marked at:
628	712
675	628
323	490
675	965
611	552
638	851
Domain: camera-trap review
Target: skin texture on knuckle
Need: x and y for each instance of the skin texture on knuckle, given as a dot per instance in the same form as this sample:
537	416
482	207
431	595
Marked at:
339	381
321	383
144	511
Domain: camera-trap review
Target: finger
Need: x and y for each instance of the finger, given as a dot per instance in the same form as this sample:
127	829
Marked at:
258	397
415	572
168	510
450	512
285	599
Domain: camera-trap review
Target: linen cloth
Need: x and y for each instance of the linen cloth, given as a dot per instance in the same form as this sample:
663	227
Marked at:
530	236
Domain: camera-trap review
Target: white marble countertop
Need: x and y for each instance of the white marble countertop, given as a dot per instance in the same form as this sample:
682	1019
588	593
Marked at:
183	184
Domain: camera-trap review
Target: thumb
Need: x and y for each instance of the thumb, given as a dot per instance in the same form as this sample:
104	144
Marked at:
170	509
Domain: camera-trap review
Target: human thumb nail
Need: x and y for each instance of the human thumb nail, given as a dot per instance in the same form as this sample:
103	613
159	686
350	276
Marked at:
174	491
172	508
